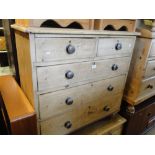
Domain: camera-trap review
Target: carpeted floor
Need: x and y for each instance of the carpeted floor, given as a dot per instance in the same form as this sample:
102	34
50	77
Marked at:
151	132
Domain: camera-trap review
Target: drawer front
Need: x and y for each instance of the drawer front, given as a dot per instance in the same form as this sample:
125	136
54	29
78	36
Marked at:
54	49
62	76
148	87
79	117
115	46
59	102
152	50
150	69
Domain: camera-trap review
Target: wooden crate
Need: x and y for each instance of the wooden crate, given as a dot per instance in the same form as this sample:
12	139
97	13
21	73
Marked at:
115	24
2	44
57	23
108	126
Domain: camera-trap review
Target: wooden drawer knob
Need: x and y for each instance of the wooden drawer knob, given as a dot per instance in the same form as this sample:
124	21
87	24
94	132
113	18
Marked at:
68	124
110	88
118	46
149	114
70	49
69	101
114	67
150	86
106	108
69	74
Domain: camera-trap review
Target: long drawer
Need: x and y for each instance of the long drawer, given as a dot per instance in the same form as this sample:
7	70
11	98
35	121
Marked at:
115	46
79	117
62	76
150	69
55	49
147	87
59	102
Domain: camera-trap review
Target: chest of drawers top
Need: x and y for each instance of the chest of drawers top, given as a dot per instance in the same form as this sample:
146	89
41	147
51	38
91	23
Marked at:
146	33
45	31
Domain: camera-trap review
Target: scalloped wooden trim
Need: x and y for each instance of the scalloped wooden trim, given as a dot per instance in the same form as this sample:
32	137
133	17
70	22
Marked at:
57	24
100	24
85	23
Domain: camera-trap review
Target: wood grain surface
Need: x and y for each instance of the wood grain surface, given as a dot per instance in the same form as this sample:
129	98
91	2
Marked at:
20	111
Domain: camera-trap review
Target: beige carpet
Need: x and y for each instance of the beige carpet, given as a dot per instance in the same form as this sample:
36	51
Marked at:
151	132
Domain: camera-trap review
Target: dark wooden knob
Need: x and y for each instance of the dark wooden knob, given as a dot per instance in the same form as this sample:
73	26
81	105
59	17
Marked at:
149	114
70	49
114	67
150	86
130	110
69	74
118	46
69	101
106	108
110	88
68	124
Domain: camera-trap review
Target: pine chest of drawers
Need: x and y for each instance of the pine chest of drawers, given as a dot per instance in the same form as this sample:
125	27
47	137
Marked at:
72	77
141	79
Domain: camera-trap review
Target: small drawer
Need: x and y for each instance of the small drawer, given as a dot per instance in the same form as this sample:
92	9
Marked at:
152	49
148	87
79	117
59	102
62	76
150	69
115	47
59	49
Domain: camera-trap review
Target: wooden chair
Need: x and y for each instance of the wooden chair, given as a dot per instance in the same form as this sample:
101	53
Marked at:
17	115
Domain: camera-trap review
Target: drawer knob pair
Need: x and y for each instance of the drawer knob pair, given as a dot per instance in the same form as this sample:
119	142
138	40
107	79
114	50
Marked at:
114	67
106	108
69	74
110	88
68	125
69	101
70	49
150	86
118	46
